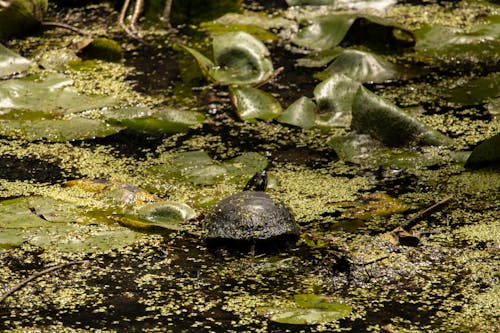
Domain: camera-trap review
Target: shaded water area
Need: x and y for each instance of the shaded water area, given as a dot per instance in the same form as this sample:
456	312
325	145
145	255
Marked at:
155	279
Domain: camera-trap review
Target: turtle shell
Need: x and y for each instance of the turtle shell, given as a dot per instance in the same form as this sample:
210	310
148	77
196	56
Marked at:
249	216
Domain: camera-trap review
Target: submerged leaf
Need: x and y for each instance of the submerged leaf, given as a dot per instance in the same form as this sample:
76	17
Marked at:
57	130
157	121
485	154
386	122
11	63
442	42
252	103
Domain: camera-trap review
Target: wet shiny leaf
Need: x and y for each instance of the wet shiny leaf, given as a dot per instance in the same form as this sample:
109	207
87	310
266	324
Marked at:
361	66
386	122
252	103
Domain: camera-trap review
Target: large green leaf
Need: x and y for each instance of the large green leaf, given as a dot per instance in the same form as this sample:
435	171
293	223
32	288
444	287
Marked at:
485	154
11	63
345	4
239	58
199	168
19	17
252	103
481	42
145	120
386	122
361	66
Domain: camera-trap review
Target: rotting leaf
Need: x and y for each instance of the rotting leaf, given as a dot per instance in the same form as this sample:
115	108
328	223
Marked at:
164	214
11	63
487	153
386	122
252	103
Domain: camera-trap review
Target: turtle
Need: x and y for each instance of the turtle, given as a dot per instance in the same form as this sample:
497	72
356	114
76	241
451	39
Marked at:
250	217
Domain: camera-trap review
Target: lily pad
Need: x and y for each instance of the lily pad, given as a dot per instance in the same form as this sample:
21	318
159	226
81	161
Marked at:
52	95
252	103
239	58
485	154
164	214
20	17
312	309
326	32
361	66
11	63
386	122
145	120
345	4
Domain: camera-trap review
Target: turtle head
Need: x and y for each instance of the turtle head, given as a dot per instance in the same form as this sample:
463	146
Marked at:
258	182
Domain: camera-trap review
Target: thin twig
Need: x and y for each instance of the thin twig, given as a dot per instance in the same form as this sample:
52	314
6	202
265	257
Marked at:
421	214
37	274
65	26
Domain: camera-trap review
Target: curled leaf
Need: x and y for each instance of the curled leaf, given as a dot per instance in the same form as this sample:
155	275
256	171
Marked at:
386	122
252	103
11	63
485	154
